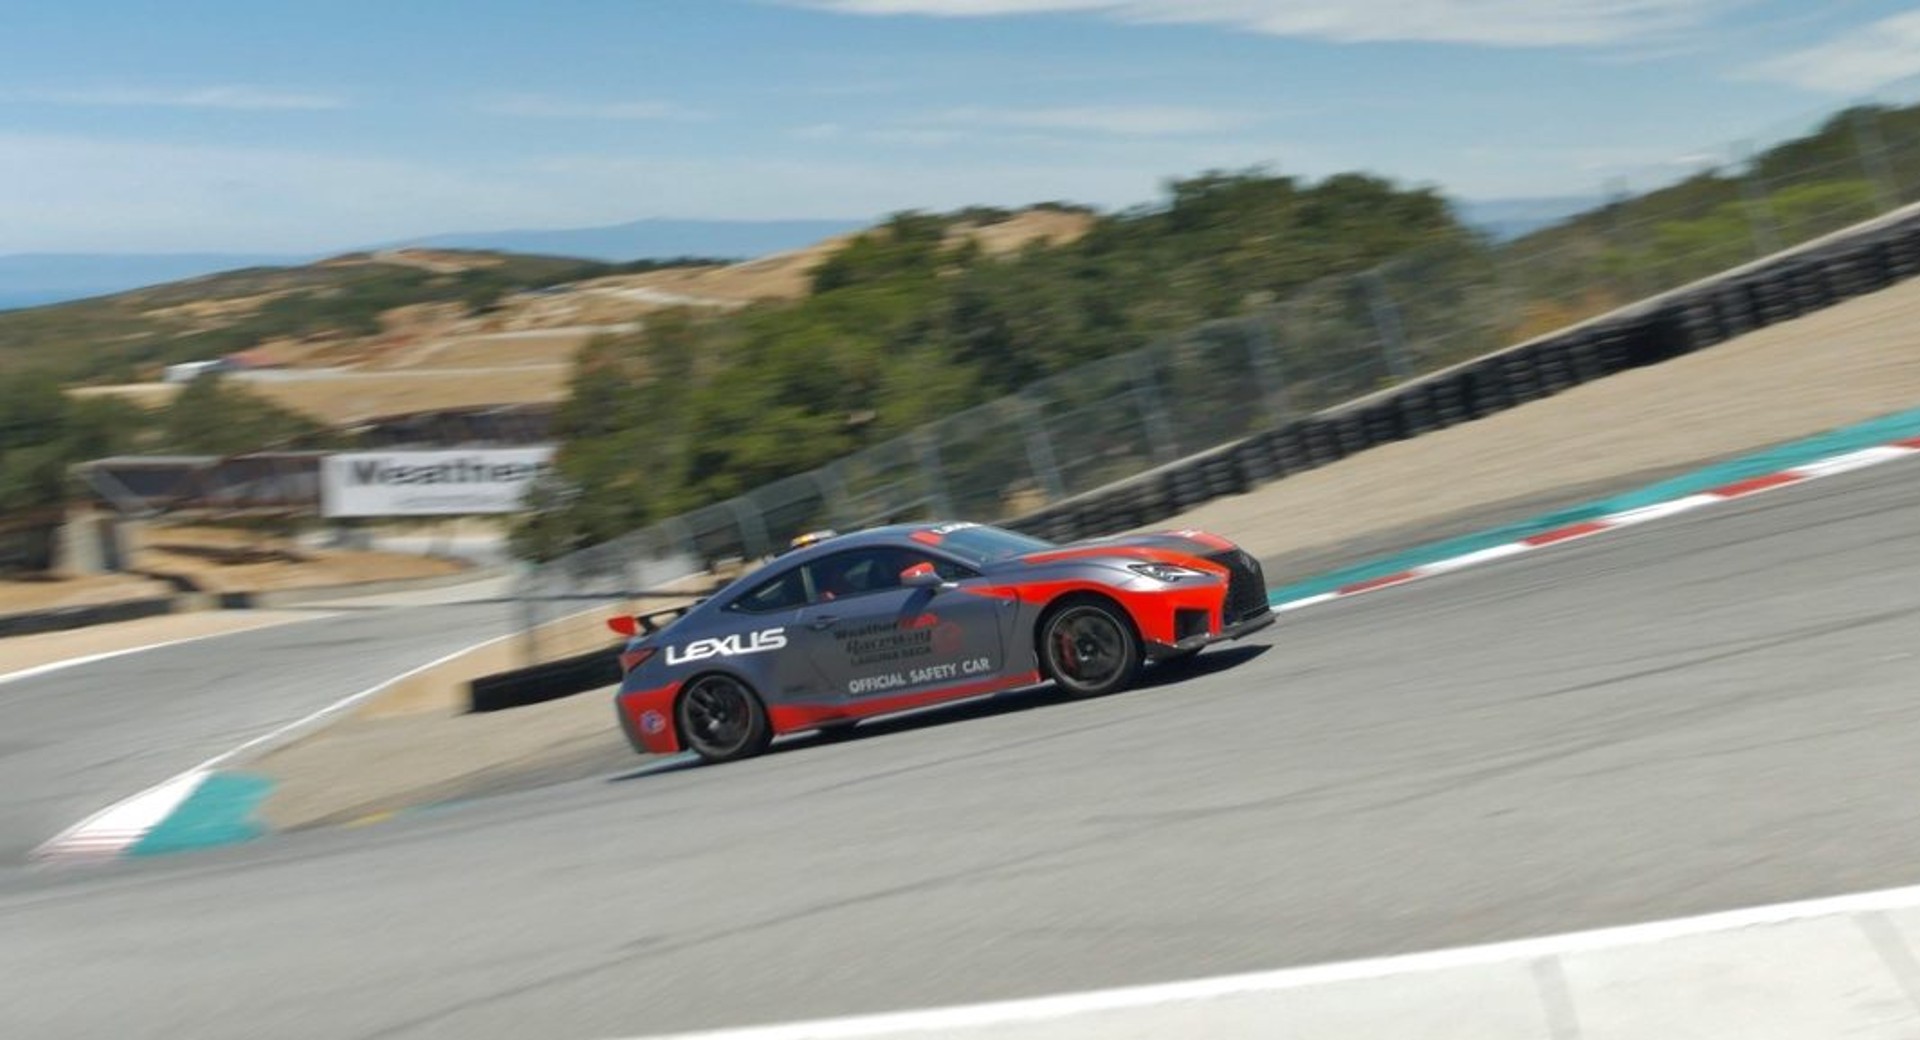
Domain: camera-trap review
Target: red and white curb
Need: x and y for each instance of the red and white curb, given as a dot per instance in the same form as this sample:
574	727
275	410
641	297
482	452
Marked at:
1845	463
109	833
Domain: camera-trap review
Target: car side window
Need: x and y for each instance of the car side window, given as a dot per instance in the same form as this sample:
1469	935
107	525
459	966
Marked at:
858	572
786	591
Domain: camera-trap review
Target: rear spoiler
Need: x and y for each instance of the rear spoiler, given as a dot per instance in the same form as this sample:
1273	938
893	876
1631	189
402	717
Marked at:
650	622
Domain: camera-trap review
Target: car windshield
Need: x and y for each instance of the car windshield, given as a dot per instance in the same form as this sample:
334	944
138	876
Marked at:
981	544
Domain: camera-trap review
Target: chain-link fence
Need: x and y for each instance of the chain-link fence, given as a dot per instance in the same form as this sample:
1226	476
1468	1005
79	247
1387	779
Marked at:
1330	342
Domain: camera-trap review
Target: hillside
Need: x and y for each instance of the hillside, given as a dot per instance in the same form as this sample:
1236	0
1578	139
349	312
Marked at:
300	313
365	335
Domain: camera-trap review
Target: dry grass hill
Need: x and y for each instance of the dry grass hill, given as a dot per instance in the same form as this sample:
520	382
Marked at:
440	352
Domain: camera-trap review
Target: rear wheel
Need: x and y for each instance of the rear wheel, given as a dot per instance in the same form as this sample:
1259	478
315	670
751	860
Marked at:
1089	648
721	719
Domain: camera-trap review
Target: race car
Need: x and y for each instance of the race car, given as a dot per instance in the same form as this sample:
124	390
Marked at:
846	627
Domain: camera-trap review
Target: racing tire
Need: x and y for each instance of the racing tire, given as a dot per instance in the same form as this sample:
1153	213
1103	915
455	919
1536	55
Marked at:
721	719
1089	648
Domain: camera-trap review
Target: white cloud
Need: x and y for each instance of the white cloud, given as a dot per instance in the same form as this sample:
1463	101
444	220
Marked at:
1855	61
1514	23
82	194
536	106
1115	120
239	98
1040	126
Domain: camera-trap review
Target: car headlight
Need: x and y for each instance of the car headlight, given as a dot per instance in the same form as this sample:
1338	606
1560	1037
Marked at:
1165	571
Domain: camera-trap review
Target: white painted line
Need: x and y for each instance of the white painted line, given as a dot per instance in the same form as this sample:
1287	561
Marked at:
82	840
1001	1014
1851	461
1307	601
1473	558
72	662
1660	510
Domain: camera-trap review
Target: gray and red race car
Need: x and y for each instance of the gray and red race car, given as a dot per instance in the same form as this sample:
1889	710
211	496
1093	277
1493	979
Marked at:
849	627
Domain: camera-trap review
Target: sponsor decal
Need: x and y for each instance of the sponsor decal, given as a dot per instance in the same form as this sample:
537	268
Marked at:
877	642
429	482
652	722
933	535
933	673
728	646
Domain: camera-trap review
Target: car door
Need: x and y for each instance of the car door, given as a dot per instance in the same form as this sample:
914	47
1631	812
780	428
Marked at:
868	635
768	614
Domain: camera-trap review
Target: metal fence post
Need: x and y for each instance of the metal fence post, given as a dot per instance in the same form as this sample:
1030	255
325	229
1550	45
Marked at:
1873	159
1166	447
1766	232
1264	352
833	493
753	529
1040	448
927	452
1386	321
529	616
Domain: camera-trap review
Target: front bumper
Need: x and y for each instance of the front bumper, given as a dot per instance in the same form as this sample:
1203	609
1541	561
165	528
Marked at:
1240	629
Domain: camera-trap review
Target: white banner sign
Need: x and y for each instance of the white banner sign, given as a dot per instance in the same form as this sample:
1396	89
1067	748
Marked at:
429	483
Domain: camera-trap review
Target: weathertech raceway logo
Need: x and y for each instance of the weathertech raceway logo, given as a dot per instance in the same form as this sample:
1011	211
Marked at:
728	646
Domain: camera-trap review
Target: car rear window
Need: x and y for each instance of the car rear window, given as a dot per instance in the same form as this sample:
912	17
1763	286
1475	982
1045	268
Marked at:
783	592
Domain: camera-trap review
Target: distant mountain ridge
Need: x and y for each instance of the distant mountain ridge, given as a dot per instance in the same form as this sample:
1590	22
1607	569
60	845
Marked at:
1507	219
651	239
37	279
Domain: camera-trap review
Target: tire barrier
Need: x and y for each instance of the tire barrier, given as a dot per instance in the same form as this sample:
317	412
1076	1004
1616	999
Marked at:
544	682
81	617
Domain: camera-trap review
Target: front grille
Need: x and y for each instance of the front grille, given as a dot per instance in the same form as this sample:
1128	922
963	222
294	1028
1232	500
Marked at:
1246	586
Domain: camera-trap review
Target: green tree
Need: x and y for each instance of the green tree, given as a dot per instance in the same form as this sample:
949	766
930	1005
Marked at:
210	417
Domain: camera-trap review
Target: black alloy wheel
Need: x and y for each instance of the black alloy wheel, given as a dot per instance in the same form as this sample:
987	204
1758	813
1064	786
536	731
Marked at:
722	720
1089	649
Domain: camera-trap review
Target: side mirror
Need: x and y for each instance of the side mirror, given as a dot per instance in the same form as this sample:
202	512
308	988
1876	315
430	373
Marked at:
921	576
624	624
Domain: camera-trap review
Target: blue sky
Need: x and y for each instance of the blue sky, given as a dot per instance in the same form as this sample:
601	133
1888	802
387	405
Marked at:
212	125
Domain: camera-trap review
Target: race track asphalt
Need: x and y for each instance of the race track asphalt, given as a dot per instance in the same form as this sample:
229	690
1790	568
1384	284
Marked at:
78	739
1706	712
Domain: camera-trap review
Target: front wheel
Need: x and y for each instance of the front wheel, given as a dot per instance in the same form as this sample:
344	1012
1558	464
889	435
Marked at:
722	720
1089	648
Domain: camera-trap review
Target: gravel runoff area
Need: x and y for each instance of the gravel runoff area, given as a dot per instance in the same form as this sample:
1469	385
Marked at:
1843	365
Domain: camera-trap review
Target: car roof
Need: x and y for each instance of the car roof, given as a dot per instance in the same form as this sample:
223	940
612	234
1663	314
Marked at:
888	534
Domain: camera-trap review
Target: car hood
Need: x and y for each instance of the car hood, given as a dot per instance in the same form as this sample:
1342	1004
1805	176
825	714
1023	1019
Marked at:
1159	546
